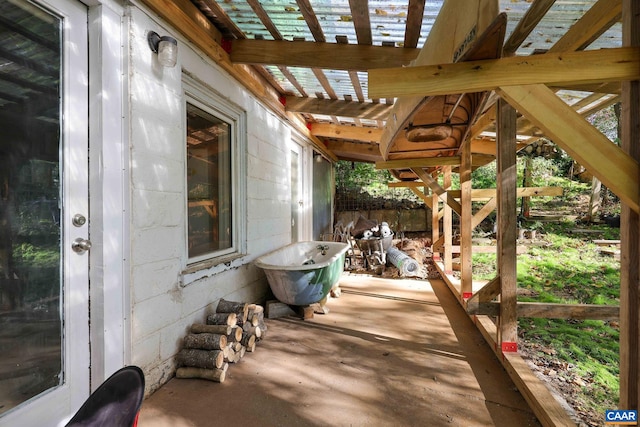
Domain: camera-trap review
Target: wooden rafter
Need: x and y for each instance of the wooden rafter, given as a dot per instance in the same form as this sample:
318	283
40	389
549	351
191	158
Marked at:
414	23
527	23
319	55
598	19
354	133
354	151
363	110
312	21
361	21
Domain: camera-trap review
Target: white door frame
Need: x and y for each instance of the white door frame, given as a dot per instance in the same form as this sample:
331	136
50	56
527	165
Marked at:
108	217
306	175
58	402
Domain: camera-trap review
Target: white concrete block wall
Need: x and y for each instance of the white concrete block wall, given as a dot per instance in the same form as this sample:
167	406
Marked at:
163	305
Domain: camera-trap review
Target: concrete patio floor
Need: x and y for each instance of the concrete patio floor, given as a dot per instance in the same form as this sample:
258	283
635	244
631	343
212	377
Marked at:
389	353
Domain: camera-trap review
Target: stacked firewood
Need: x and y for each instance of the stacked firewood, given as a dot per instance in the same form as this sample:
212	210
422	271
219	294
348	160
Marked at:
231	332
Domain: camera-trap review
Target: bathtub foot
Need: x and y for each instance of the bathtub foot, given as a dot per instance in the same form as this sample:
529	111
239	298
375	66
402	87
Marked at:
320	307
336	292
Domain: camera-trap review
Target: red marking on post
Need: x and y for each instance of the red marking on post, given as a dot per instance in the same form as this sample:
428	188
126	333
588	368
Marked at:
225	44
467	295
283	100
509	347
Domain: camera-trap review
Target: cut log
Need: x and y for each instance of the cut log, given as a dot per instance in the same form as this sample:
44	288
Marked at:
230	319
241	309
205	341
256	313
235	335
207	359
252	330
199	328
263	331
217	375
251	348
248	339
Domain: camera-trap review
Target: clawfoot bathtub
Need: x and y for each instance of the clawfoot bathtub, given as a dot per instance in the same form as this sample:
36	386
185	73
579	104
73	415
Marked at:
303	273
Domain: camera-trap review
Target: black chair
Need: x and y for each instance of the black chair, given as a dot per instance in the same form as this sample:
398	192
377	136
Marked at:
116	403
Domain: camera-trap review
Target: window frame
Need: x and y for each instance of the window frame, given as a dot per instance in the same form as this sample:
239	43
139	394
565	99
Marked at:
205	98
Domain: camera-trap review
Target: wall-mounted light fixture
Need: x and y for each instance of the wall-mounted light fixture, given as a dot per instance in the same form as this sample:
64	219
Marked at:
166	47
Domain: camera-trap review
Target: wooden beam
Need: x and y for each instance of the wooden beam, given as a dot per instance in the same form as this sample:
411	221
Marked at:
329	107
545	310
425	162
598	19
319	55
630	229
553	69
437	189
354	133
311	19
361	21
583	142
484	212
527	23
438	243
435	225
485	249
355	151
426	198
466	218
489	193
507	259
447	220
486	294
413	26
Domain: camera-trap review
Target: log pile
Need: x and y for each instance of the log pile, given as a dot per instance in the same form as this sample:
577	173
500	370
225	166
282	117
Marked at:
232	331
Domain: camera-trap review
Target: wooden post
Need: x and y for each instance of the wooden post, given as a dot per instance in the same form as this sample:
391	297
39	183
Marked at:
629	227
506	193
466	279
526	201
447	223
435	222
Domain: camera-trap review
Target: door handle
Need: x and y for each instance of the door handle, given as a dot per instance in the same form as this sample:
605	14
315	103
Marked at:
81	245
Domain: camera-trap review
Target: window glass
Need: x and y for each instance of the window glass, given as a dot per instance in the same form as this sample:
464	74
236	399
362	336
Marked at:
209	183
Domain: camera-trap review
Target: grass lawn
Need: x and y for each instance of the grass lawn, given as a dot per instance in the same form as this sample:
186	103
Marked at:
579	357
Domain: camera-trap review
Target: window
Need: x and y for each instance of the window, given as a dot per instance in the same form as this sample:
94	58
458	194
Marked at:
214	176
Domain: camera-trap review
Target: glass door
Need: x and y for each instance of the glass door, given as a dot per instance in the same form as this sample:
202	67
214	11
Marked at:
44	345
